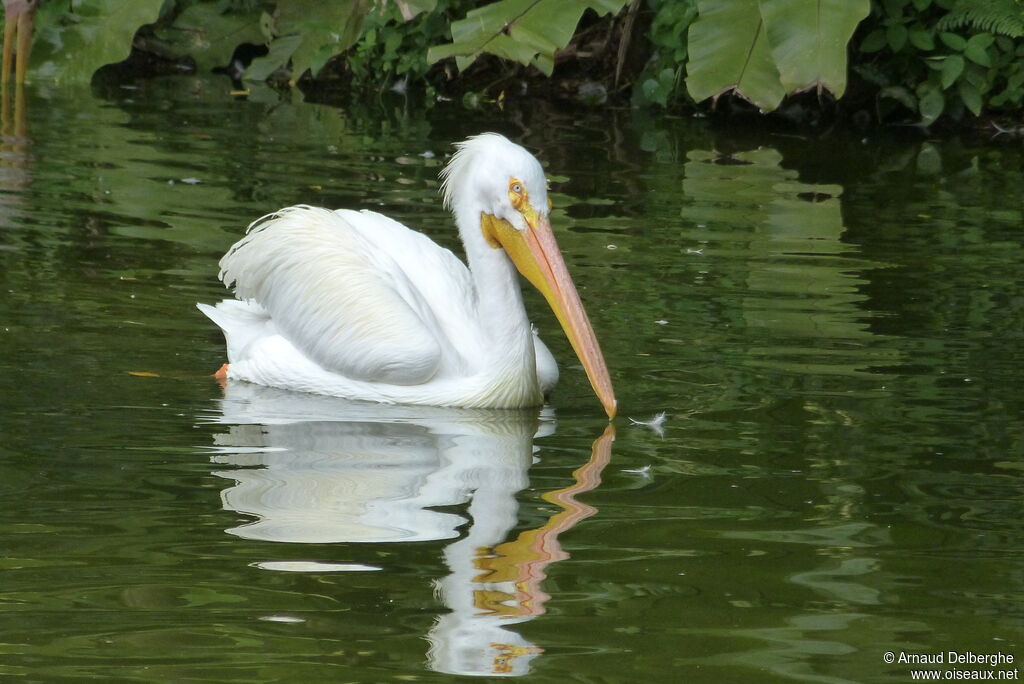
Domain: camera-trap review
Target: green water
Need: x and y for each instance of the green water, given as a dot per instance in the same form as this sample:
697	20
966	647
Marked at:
833	328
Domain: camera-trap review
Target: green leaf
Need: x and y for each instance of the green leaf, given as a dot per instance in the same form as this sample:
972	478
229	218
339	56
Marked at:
210	36
659	90
307	33
896	34
411	8
281	50
894	8
922	38
982	40
526	31
930	105
267	27
971	97
921	5
325	28
976	49
901	95
953	41
952	67
729	51
975	75
808	40
874	41
74	39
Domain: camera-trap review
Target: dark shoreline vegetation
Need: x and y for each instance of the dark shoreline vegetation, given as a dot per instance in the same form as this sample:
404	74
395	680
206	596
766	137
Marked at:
807	64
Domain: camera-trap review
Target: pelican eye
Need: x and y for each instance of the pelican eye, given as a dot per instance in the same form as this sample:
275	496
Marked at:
516	194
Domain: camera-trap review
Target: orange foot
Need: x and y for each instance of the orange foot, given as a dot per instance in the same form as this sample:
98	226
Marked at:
222	372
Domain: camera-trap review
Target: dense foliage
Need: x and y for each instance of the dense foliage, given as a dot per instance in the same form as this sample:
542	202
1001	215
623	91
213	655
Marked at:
909	60
945	56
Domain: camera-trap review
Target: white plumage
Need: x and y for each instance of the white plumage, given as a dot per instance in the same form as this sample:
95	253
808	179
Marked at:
354	304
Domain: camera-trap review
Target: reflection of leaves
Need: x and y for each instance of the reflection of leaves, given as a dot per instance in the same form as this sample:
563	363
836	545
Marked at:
797	288
201	596
70	46
128	179
524	31
209	35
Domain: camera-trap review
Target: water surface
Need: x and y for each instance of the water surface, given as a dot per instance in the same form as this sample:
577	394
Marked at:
832	326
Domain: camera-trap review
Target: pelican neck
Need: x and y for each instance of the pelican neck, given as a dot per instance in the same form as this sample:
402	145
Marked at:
499	298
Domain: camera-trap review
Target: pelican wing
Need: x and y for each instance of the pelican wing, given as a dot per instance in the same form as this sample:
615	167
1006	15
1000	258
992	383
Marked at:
333	285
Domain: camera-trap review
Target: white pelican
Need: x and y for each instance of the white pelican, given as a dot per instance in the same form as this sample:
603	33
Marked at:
356	305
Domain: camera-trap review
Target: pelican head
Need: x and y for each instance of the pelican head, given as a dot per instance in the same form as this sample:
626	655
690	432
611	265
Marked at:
498	188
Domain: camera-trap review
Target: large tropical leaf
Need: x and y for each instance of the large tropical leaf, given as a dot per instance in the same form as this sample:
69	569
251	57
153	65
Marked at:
75	38
209	35
729	51
308	33
808	39
765	49
524	31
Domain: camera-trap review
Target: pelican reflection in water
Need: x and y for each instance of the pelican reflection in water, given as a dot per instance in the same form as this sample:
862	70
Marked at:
314	469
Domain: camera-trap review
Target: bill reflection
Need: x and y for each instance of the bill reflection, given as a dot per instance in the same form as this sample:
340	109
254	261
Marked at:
313	469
